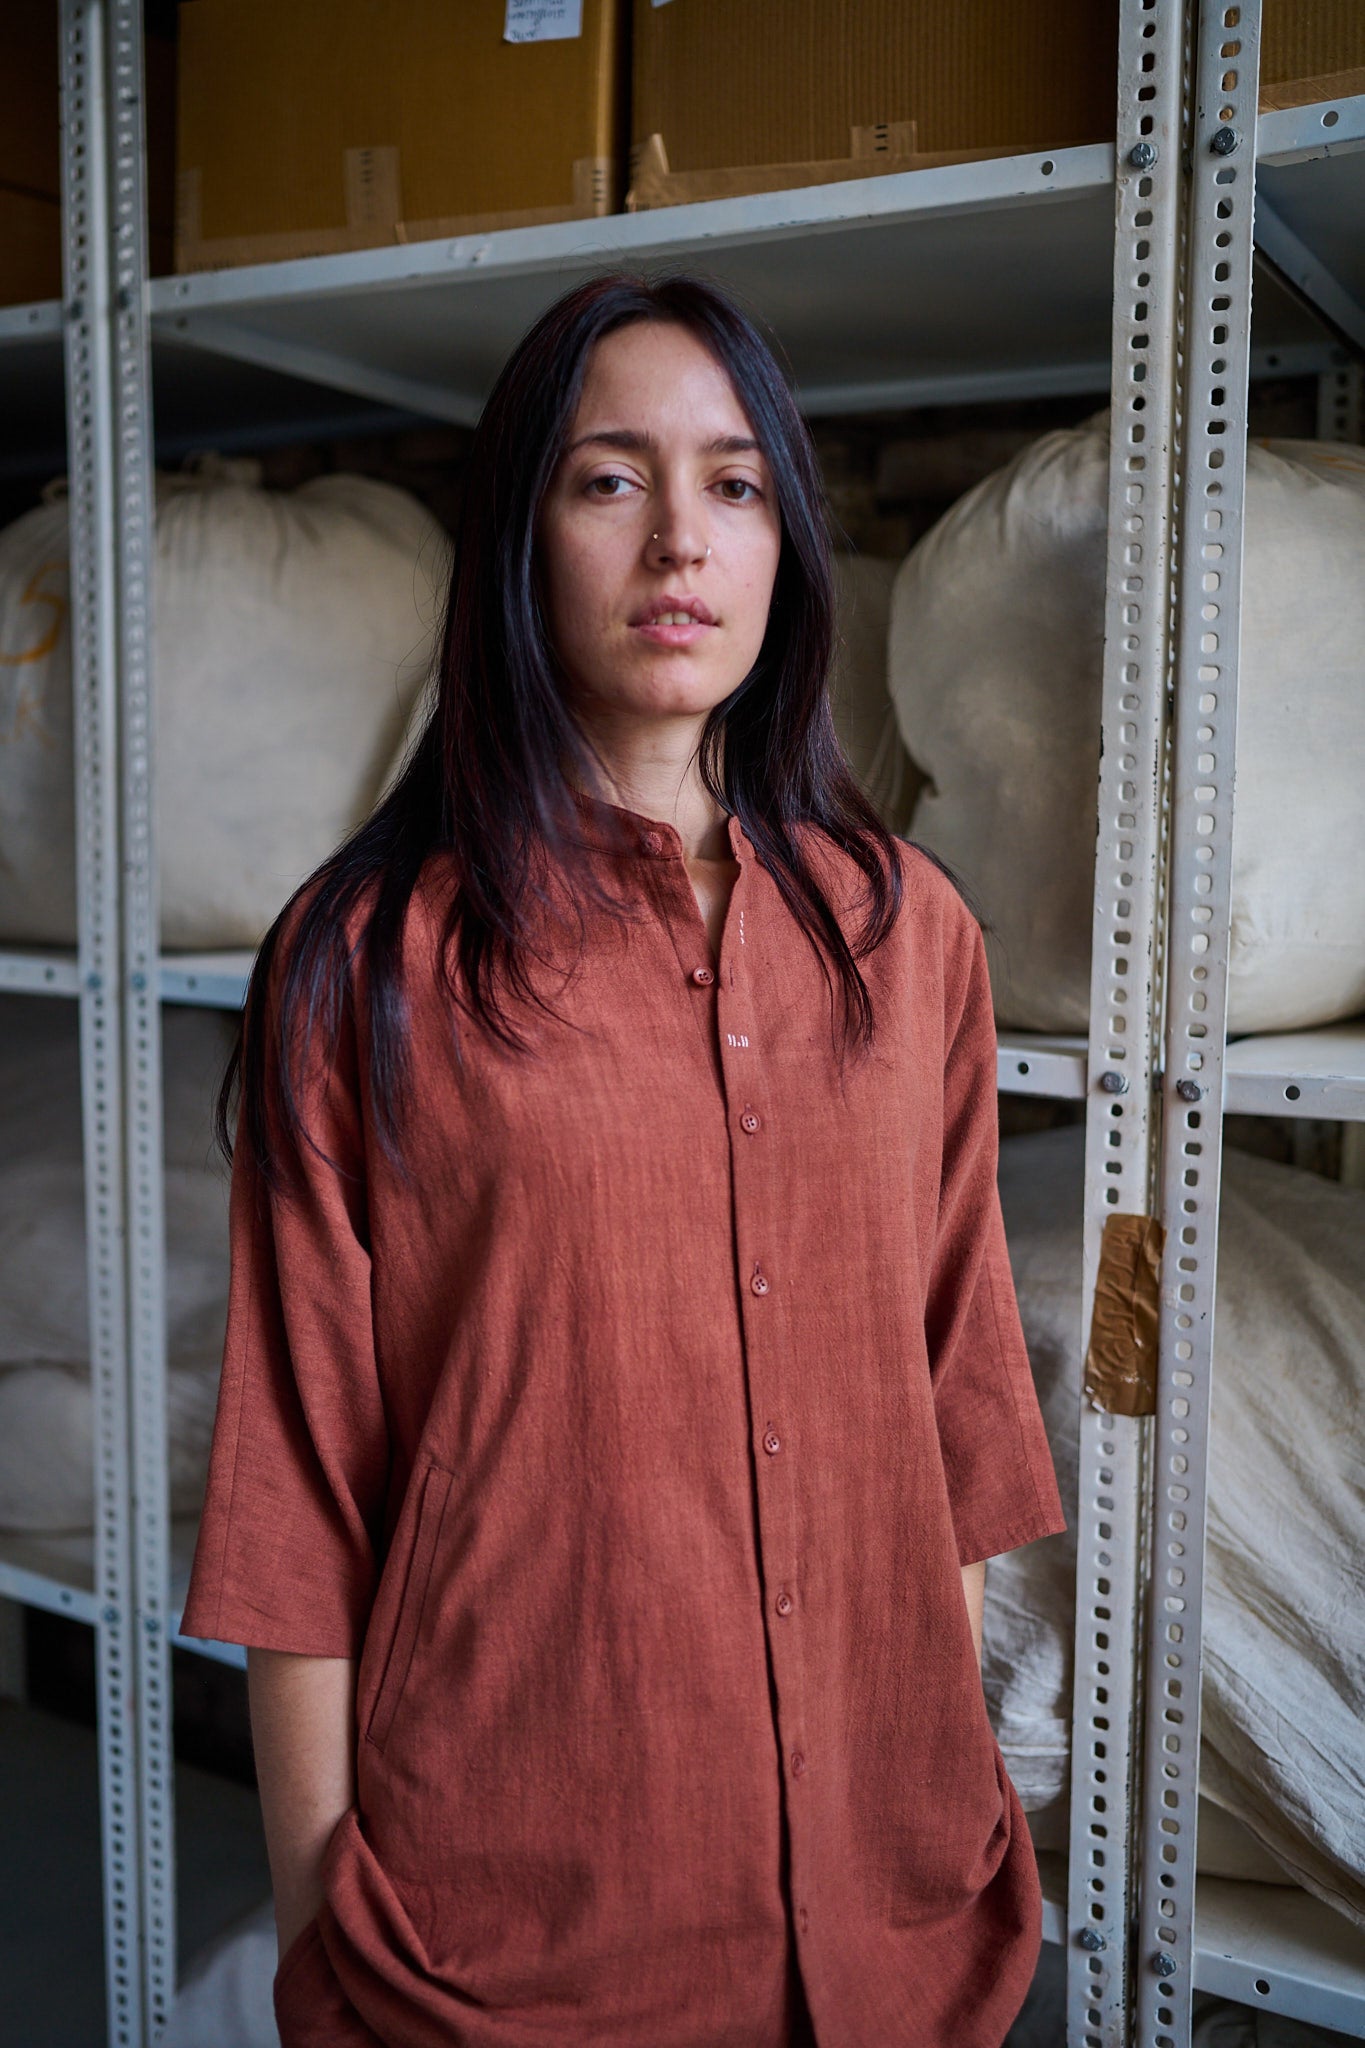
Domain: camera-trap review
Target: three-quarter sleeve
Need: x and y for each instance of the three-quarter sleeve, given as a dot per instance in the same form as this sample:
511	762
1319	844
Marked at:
286	1554
1001	1483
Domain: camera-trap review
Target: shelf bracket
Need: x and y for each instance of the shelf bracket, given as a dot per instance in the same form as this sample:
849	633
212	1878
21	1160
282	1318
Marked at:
1307	278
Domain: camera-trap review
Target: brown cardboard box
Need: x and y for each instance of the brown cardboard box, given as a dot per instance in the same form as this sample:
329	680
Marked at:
1311	50
326	125
30	247
30	145
756	95
30	152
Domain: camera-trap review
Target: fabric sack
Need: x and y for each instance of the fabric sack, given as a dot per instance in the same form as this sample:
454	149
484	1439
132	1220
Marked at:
291	632
1284	1626
996	652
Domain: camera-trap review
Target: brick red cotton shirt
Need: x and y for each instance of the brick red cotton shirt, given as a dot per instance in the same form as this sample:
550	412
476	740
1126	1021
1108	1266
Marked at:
634	1446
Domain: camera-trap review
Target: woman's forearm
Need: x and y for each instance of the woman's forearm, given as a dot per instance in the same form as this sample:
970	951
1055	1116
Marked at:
303	1734
974	1592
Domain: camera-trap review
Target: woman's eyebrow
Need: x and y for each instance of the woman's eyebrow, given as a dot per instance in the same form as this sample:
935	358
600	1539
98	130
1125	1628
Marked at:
628	438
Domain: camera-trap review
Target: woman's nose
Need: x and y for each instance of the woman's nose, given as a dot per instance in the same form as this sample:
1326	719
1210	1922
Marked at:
677	542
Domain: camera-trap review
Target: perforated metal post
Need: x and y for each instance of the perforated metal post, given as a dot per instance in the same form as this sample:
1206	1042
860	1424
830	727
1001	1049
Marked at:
134	560
90	411
1126	988
1217	358
1341	404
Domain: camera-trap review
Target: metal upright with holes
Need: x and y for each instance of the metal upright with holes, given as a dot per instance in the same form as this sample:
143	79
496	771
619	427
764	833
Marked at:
1209	575
1125	995
91	459
1341	404
141	1006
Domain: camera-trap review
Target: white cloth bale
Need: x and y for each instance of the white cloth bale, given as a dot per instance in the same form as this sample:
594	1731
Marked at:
996	649
1284	1628
864	715
46	1408
291	631
227	1996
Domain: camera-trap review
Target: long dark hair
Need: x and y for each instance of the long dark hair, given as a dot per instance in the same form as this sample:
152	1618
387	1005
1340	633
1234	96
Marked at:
487	785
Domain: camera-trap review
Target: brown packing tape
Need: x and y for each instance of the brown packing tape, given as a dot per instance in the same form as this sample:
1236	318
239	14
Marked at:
372	197
1303	92
1120	1364
653	184
592	179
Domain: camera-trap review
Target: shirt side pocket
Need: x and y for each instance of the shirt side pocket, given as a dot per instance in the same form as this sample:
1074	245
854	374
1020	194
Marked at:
435	1490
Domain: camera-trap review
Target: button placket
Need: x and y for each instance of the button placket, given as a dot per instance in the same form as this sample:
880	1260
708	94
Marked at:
741	1034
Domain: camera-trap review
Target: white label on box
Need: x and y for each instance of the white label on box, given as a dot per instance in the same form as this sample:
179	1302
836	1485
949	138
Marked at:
543	21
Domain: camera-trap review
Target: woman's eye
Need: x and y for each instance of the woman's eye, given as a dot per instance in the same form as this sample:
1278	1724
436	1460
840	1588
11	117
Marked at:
609	486
737	490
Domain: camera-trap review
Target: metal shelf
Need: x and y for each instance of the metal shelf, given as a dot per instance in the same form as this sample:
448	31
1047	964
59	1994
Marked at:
1274	1947
216	981
57	1573
1317	1073
45	971
992	278
53	1572
1279	1948
1040	1063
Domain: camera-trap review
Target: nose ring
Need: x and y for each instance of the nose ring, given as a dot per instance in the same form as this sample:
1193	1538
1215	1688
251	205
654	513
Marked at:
706	557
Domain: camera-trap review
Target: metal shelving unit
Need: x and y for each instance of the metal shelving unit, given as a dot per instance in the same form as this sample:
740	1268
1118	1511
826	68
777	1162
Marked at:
1086	270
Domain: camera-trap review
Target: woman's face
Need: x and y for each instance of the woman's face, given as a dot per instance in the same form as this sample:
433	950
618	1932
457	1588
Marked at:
659	535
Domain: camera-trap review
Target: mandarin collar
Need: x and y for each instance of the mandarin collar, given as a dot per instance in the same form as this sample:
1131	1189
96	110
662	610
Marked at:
611	828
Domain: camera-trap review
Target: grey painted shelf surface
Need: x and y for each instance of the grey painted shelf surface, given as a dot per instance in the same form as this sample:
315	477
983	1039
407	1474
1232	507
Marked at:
992	278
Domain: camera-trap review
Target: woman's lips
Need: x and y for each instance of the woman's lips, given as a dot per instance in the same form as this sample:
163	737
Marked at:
674	621
673	630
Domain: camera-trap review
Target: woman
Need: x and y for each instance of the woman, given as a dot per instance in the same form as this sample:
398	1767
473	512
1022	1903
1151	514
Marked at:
624	1383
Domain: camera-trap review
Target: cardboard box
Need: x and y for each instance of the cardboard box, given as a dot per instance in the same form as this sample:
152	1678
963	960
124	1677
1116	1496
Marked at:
30	247
30	152
1311	50
30	143
327	125
756	95
735	96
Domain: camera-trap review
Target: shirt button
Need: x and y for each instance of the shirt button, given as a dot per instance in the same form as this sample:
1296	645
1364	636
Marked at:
703	976
760	1282
798	1763
750	1121
783	1603
653	842
772	1442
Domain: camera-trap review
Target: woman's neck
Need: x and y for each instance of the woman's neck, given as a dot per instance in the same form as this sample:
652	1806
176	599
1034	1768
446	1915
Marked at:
666	784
